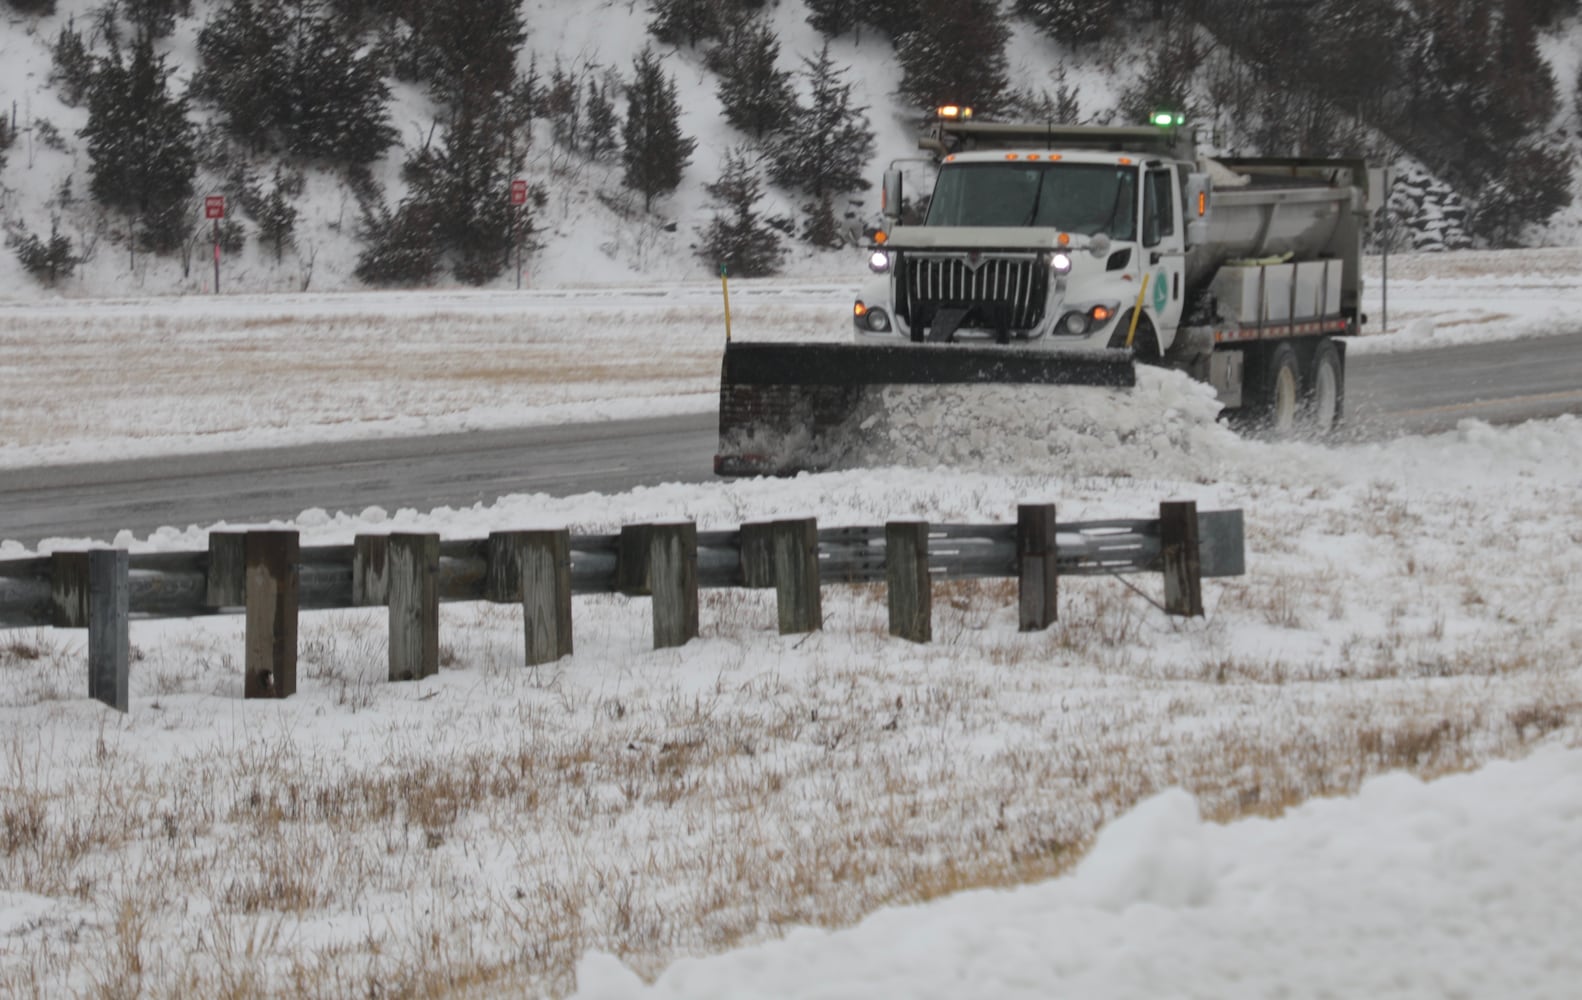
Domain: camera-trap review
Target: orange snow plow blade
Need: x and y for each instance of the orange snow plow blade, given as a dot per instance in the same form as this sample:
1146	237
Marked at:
789	408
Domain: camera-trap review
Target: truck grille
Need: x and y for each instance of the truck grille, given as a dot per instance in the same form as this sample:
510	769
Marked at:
1003	292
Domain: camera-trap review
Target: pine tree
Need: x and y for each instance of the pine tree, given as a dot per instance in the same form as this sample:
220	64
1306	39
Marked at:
47	260
471	48
602	122
71	67
685	22
756	97
285	79
827	146
833	18
955	54
1072	22
140	144
737	237
40	8
276	216
655	152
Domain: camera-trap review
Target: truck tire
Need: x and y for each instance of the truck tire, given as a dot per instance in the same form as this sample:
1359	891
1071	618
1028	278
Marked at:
1276	394
1324	392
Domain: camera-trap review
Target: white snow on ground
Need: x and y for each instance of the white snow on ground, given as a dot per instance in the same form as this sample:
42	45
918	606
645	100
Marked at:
1454	889
495	830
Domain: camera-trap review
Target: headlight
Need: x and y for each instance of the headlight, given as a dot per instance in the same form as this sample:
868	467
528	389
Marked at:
1060	263
878	321
879	262
1076	323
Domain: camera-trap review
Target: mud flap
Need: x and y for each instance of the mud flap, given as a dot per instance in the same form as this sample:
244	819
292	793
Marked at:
788	408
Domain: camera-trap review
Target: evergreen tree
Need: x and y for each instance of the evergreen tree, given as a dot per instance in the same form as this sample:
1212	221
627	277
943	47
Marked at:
756	97
685	22
655	152
40	8
140	144
276	216
285	79
563	108
1072	22
602	121
737	237
827	146
71	67
1166	80
955	54
470	49
398	248
833	18
47	260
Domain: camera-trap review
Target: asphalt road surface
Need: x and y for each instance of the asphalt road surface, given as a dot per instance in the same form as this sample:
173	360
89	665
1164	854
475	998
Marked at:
1386	395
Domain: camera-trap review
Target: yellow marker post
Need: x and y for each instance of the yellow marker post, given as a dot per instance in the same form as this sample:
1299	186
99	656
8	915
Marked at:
725	289
1137	312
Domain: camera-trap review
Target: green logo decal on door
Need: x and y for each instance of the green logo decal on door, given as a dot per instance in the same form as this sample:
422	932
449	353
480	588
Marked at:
1161	291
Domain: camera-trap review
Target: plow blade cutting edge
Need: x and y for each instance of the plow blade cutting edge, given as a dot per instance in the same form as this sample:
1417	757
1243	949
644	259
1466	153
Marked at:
788	408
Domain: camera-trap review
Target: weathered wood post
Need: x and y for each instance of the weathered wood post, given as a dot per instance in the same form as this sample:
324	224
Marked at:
1036	552
109	632
794	544
632	550
673	579
273	560
413	563
225	581
911	592
1181	558
68	589
757	559
534	567
370	570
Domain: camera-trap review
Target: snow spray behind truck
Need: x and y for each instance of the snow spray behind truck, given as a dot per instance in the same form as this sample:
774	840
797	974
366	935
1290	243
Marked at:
1062	255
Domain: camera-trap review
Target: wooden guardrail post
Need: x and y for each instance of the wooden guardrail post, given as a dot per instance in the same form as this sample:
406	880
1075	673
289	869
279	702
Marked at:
1036	552
911	592
414	606
273	590
1181	559
534	567
225	581
673	579
757	559
109	636
794	544
370	570
68	589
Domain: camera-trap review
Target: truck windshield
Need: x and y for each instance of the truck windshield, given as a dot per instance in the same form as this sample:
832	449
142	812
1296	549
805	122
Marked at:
1082	198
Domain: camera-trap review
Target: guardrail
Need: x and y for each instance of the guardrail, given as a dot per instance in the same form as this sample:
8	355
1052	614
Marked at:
270	577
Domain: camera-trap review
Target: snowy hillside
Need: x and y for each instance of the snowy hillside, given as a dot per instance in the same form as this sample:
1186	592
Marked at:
586	236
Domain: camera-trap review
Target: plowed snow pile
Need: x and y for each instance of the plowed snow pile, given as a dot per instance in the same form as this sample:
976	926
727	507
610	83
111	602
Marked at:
1164	427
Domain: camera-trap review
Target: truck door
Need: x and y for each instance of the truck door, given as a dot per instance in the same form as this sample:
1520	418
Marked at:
1164	251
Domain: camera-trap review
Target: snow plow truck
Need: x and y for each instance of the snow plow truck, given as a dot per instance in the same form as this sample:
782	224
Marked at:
1065	255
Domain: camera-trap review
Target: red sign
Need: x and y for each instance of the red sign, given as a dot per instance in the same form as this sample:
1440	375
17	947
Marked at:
214	206
519	192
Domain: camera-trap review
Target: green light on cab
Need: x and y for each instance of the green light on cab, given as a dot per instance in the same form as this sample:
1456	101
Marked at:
1165	119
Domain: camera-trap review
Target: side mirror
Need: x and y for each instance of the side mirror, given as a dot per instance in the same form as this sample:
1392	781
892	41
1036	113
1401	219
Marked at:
890	200
1199	203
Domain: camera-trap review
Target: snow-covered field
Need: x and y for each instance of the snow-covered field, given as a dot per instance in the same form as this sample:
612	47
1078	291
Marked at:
499	830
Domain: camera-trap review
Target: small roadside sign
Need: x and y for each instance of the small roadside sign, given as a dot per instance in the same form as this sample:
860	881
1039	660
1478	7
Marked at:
519	192
214	206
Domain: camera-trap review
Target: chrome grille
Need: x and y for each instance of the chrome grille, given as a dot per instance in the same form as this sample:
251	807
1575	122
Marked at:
1008	289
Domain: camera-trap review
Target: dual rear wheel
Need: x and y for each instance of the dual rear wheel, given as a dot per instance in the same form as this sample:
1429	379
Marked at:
1286	398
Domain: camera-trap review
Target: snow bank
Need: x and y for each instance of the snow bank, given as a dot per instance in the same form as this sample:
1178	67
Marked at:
1408	890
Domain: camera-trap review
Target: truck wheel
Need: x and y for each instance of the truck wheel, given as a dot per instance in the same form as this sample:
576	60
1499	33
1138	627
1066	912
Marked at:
1324	393
1278	393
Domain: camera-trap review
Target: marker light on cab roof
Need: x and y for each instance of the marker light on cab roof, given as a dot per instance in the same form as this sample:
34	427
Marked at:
954	111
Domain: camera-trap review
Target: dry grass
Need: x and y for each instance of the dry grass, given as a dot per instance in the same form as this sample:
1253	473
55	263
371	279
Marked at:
505	821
